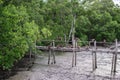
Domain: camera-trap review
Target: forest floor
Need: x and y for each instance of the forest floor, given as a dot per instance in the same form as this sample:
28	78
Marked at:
63	69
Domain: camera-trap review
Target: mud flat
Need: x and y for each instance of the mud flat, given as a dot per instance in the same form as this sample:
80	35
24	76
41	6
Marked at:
63	69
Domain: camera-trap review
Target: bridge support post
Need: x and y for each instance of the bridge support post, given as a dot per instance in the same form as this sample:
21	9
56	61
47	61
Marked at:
74	54
49	56
114	58
94	57
53	53
74	58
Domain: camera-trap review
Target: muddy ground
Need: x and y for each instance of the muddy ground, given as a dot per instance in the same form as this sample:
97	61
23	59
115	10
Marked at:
63	69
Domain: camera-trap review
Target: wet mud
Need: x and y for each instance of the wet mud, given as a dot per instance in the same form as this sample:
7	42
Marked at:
63	69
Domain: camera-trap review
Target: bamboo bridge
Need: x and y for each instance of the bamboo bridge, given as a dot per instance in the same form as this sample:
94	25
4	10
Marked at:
114	49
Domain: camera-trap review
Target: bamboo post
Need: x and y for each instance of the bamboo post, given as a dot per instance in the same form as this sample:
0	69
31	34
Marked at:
54	61
73	40
94	57
49	55
114	59
93	61
75	53
112	68
73	60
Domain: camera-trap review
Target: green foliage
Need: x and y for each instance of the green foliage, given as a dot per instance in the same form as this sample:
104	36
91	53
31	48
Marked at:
81	40
46	32
1	1
22	22
17	34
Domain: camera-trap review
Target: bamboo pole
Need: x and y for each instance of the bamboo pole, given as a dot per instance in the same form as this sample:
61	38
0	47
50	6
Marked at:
116	50
54	61
75	53
93	61
73	40
49	56
94	57
73	58
114	59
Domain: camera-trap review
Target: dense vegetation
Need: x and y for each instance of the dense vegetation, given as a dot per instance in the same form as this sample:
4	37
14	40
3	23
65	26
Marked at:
23	22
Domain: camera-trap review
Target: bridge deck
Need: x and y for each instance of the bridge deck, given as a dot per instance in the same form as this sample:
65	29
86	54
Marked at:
69	49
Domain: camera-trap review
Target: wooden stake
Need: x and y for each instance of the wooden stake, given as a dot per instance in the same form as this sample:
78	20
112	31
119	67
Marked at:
93	61
73	58
49	56
94	57
116	50
54	61
75	53
114	59
53	53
